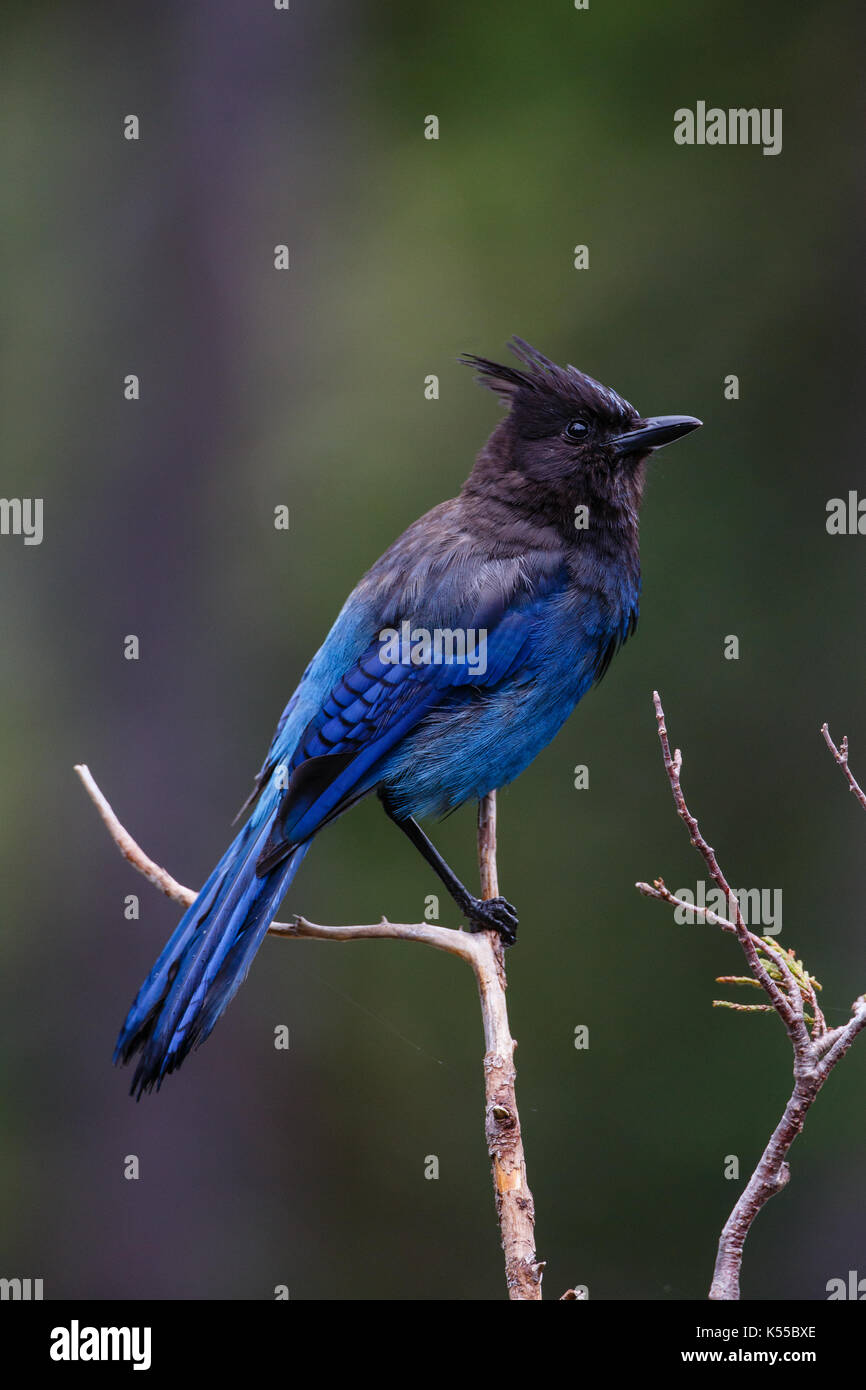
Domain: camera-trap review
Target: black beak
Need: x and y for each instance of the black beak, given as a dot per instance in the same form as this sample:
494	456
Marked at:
652	434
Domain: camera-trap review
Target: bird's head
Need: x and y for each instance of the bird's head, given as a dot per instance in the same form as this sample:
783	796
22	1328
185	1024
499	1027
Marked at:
566	436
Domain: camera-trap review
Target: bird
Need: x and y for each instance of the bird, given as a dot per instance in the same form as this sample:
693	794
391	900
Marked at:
531	577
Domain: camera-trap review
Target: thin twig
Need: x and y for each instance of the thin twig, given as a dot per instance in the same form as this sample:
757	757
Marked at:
483	951
841	756
129	848
657	889
443	938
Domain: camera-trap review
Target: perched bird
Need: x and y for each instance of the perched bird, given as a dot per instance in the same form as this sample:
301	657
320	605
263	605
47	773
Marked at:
530	578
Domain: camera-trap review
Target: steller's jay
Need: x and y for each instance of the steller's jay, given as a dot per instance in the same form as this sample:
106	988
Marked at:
451	665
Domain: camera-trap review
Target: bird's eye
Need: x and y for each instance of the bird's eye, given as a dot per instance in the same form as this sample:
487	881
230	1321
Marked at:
574	429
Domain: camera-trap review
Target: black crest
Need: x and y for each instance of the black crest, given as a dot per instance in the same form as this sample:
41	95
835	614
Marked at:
544	393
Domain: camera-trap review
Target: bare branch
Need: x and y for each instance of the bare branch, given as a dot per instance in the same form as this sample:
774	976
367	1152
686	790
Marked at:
657	889
815	1054
841	756
131	851
514	1204
484	952
443	938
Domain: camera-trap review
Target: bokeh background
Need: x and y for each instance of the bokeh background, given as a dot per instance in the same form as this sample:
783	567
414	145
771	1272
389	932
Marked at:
306	1167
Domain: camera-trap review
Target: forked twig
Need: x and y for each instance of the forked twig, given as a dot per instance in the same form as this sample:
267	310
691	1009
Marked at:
816	1052
483	950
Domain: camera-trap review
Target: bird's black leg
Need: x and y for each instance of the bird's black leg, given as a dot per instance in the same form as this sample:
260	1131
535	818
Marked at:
485	914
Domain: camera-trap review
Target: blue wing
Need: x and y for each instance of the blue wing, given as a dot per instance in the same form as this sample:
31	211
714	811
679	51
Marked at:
377	702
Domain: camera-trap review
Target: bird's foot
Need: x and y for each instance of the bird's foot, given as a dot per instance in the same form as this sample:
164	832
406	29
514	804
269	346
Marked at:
493	914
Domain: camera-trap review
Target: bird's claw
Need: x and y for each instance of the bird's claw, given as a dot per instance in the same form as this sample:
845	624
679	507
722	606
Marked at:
494	914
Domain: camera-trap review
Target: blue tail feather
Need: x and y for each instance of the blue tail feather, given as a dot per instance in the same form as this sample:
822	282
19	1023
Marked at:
205	961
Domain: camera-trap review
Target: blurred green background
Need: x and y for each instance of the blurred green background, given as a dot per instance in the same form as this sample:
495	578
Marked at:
306	1167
